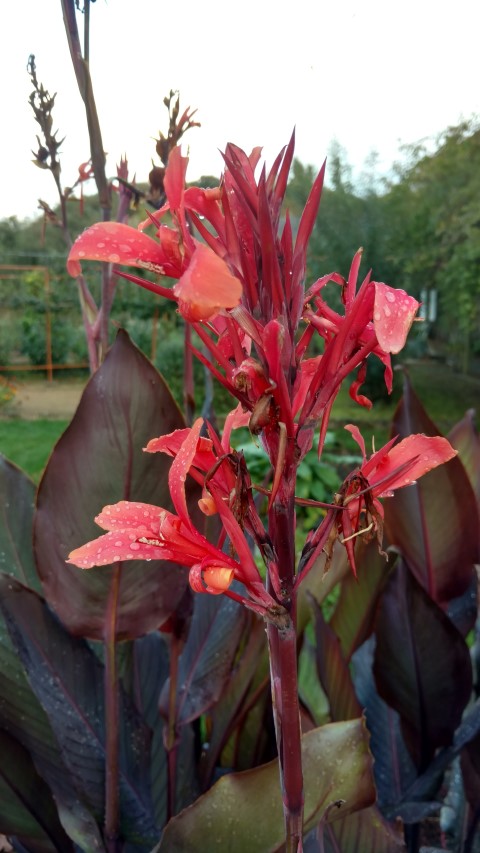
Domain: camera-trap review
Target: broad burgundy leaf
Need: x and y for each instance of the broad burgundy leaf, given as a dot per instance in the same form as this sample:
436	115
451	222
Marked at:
67	679
333	671
23	717
393	768
17	500
422	665
227	713
464	438
99	460
463	610
149	669
27	808
470	763
434	522
352	619
205	663
244	812
468	729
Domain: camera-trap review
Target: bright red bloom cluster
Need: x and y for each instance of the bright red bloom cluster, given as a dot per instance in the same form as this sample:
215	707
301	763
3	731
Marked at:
241	287
244	285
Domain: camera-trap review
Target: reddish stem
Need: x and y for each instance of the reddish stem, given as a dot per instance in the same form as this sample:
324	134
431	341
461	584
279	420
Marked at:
282	643
283	668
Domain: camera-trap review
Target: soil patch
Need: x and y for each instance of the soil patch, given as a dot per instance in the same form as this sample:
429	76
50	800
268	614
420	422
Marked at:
56	400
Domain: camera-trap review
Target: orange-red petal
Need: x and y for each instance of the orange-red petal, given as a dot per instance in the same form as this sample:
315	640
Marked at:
206	286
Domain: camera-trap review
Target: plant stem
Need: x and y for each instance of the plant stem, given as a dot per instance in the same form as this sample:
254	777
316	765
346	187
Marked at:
283	666
112	717
283	663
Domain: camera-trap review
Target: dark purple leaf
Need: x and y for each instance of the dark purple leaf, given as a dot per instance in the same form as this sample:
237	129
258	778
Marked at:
422	665
99	460
352	619
434	522
150	668
228	713
67	679
467	730
470	764
464	438
333	671
206	661
17	500
27	808
393	768
463	610
20	712
23	717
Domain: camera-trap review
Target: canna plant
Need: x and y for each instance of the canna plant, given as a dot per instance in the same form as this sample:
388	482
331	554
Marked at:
240	272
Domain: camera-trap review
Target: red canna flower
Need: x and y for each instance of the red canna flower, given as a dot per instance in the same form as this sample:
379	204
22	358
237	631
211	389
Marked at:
146	532
243	291
357	510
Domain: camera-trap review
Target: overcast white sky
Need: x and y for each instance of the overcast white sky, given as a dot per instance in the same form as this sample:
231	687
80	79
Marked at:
370	74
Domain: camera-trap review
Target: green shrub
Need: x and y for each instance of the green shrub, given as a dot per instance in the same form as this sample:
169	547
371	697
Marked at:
33	340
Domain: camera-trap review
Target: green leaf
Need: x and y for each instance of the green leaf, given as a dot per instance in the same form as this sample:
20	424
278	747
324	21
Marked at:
99	460
319	584
333	671
352	619
363	831
243	811
422	665
310	690
434	522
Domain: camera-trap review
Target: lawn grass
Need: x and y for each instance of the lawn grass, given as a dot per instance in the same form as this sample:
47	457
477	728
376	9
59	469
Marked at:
29	443
445	395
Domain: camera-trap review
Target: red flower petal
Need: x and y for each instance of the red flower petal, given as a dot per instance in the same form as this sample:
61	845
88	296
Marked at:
127	515
116	243
174	181
425	452
204	458
206	286
393	314
119	545
179	470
